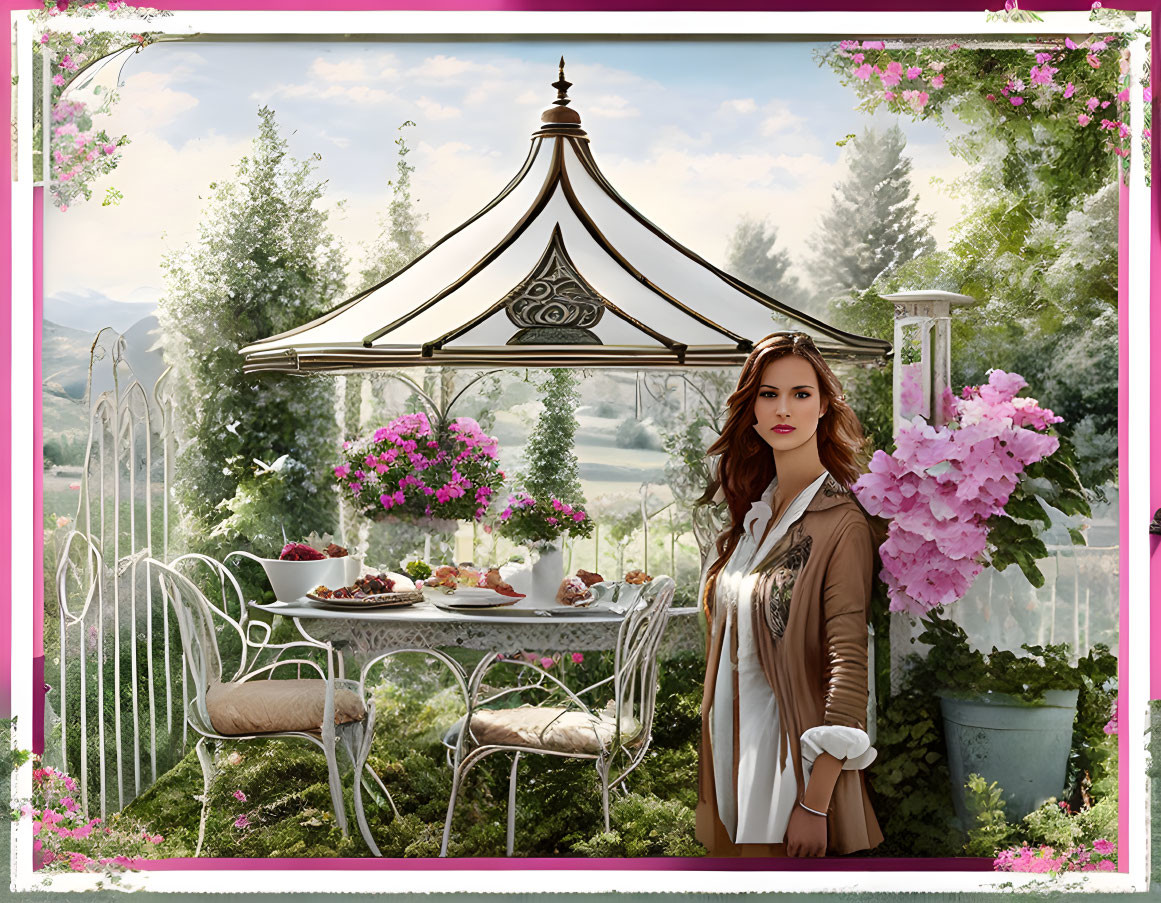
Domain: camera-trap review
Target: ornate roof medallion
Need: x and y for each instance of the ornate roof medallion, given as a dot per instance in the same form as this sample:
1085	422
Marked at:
554	304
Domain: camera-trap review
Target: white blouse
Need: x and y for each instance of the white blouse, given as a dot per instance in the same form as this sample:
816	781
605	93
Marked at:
766	795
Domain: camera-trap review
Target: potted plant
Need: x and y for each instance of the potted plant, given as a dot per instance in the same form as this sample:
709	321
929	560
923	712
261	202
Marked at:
960	498
1009	718
420	473
549	503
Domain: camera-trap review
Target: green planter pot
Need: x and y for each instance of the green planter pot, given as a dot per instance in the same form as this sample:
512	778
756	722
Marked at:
1023	747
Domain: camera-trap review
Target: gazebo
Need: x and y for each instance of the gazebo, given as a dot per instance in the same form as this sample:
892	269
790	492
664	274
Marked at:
558	270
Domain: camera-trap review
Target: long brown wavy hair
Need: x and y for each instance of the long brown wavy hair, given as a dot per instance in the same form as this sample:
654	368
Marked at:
745	462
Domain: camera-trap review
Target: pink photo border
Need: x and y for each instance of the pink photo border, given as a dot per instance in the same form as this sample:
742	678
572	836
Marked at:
7	436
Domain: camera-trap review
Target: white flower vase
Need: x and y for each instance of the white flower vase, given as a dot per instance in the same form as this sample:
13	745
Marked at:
548	570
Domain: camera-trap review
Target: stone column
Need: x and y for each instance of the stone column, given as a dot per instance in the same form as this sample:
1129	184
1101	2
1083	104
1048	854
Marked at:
921	374
923	353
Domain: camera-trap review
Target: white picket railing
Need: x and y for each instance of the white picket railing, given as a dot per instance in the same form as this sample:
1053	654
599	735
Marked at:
114	630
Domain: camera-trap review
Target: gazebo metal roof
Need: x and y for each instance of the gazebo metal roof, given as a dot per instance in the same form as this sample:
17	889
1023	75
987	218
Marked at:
557	270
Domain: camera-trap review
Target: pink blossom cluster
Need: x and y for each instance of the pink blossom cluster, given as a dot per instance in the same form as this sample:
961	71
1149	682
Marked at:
1100	857
1113	726
403	469
548	661
942	484
62	835
879	78
79	152
525	518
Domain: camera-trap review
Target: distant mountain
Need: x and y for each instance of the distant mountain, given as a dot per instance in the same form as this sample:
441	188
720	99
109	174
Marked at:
64	358
90	311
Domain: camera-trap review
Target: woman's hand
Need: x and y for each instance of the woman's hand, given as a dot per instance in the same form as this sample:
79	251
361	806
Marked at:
806	833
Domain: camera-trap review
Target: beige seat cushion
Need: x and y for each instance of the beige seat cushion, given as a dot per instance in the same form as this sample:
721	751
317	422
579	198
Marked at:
553	728
267	706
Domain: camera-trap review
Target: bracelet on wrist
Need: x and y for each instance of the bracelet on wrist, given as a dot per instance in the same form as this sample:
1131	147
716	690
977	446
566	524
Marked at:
812	811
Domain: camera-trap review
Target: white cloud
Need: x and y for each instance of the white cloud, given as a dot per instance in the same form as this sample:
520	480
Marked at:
159	213
442	67
433	110
779	120
354	94
611	106
359	69
336	140
154	103
741	105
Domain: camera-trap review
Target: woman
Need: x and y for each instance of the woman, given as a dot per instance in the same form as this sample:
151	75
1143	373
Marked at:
785	706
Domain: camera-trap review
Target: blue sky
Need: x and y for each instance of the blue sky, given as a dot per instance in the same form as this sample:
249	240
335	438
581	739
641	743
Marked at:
694	133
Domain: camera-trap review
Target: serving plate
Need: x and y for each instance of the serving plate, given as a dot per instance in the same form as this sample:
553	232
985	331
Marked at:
469	597
380	600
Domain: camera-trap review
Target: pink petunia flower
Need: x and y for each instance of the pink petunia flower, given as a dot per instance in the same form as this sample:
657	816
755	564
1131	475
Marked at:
546	663
1069	90
577	658
241	822
1082	119
239	796
1016	101
937	81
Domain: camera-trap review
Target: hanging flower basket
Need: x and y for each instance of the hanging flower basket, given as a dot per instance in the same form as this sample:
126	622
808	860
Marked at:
418	473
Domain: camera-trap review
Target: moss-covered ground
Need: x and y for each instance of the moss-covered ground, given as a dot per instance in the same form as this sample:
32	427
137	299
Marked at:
270	798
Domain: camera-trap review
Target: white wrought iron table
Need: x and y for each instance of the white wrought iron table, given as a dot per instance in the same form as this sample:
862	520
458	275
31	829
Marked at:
374	635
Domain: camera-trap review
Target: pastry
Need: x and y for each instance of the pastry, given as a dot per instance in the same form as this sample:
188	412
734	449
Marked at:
637	577
589	577
572	590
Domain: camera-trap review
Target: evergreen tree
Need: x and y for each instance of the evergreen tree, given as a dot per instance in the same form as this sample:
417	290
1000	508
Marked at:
263	262
551	464
873	224
753	256
400	238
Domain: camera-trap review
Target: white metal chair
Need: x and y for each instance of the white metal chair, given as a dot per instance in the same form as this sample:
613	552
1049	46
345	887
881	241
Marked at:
251	704
616	737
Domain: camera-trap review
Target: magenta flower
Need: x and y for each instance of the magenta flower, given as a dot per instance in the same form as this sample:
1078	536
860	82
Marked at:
1042	75
577	658
913	72
241	822
937	81
863	72
240	796
1082	119
58	80
893	74
1069	90
546	663
1104	847
1070	43
1016	101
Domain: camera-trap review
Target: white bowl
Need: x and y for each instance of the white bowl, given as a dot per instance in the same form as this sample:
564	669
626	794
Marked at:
292	580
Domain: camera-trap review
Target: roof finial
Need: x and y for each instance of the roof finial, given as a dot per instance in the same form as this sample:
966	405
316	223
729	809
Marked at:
560	118
562	86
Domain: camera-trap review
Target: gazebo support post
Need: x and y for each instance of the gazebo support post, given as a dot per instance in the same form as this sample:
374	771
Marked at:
922	373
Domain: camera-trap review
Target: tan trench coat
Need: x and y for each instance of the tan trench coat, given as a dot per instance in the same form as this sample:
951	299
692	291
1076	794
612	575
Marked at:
810	608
